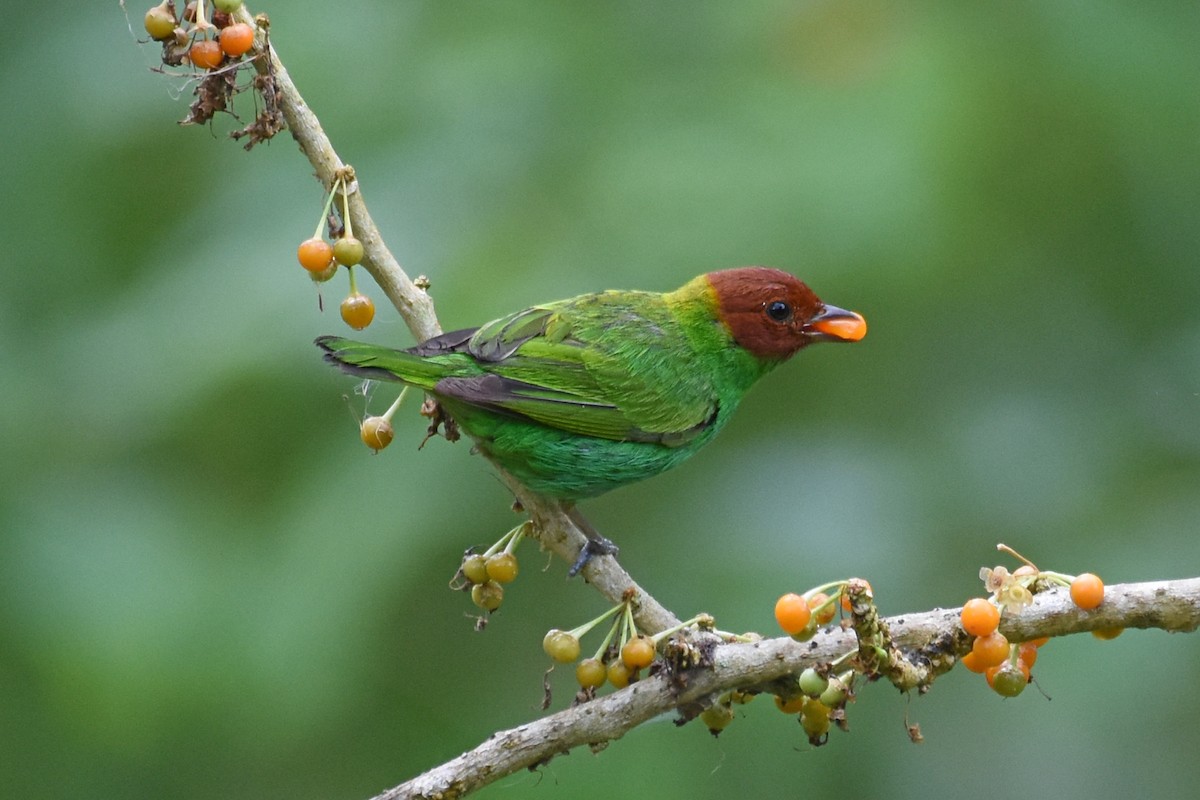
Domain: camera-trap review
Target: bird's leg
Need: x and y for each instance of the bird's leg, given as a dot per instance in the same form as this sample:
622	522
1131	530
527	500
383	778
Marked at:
439	422
596	544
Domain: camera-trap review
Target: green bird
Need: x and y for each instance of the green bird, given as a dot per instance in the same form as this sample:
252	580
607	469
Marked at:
578	397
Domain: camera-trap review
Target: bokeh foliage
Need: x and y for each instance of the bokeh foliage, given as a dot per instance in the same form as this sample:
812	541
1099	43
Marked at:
208	587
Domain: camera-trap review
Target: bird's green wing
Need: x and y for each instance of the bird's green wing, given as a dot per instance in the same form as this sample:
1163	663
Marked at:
615	365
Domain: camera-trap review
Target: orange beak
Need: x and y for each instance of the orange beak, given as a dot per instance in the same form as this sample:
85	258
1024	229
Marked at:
838	325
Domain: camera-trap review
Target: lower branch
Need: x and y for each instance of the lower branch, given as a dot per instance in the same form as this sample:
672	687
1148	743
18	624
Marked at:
924	637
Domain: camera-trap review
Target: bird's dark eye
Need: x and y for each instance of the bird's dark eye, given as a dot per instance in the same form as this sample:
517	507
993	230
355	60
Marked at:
779	311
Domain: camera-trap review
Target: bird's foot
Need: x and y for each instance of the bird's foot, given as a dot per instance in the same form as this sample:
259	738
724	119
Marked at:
593	547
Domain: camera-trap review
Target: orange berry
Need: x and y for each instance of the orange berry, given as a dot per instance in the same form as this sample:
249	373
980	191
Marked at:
358	310
1087	590
236	39
315	254
1038	642
793	705
620	675
1027	652
980	617
971	662
990	650
822	608
638	653
792	613
206	54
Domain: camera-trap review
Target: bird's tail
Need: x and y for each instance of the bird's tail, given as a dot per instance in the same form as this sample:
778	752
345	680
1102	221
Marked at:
381	363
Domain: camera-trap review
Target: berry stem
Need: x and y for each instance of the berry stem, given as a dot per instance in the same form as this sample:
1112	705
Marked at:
518	536
387	415
825	587
503	540
582	630
1061	578
325	212
346	212
843	659
658	637
353	283
612	631
629	630
831	600
201	24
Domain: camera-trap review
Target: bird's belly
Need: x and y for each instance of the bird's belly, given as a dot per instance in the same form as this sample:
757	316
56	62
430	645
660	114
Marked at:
571	467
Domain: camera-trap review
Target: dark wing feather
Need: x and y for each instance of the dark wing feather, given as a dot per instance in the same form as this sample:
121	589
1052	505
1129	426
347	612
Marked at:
452	342
558	409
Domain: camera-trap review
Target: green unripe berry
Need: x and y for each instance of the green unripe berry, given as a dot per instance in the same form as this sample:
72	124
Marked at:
812	683
348	251
834	694
1009	681
810	630
160	23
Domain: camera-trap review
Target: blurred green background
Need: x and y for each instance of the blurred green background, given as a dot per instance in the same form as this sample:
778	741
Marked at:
209	588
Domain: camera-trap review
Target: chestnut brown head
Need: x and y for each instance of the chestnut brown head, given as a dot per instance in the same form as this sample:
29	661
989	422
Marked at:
773	315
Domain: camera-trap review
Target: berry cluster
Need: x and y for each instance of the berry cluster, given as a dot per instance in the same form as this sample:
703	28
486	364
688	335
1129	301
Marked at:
485	574
1007	665
801	615
820	693
623	653
207	42
820	698
219	40
322	259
